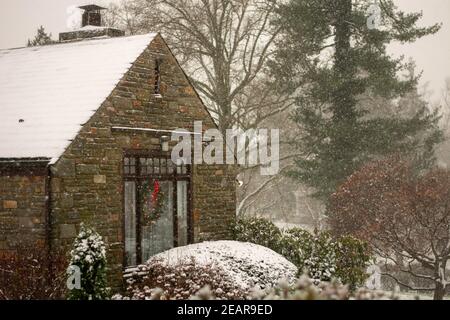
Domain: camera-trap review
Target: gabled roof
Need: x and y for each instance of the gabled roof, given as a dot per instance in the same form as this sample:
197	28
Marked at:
47	93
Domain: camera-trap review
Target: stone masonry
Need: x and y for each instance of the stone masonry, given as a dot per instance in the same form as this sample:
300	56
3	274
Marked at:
22	211
87	183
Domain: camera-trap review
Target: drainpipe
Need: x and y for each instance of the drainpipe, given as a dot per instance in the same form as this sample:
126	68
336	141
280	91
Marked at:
48	215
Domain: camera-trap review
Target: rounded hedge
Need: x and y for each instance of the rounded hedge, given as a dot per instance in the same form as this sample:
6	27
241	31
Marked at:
321	256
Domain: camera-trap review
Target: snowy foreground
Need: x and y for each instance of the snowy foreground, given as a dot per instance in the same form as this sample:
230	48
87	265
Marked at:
247	264
235	270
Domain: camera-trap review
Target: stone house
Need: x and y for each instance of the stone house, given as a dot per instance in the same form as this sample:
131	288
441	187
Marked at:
84	133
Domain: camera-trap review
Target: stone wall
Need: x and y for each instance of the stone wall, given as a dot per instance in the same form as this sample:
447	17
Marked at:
22	211
90	33
87	181
214	188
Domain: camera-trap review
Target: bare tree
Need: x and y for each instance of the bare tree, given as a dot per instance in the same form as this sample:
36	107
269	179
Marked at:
405	218
446	93
272	197
126	15
446	105
224	45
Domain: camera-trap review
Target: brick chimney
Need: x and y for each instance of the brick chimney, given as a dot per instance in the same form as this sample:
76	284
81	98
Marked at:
92	15
91	26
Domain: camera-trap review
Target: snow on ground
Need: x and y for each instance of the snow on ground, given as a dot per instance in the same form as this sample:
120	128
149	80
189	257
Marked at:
246	263
412	295
287	226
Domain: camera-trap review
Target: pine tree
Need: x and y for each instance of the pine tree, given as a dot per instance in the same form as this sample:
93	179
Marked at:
89	256
42	38
329	57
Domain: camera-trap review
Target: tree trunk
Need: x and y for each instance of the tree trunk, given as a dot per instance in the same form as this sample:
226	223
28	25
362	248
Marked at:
343	104
439	291
343	98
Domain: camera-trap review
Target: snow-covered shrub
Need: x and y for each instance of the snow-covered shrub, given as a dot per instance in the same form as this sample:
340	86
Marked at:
232	269
258	231
325	258
89	255
320	255
306	288
311	253
321	262
295	245
178	282
31	273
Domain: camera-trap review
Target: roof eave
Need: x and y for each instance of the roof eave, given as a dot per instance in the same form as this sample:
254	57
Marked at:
42	160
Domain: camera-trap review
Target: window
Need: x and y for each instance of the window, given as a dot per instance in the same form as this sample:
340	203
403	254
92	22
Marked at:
157	77
156	206
130	166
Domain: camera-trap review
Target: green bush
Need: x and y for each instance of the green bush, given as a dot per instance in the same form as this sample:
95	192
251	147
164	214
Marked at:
352	259
295	245
258	231
320	255
311	253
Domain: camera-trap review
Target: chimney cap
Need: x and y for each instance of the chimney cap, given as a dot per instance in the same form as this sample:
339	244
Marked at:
91	7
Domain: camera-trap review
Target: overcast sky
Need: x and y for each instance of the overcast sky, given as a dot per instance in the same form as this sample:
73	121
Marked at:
20	18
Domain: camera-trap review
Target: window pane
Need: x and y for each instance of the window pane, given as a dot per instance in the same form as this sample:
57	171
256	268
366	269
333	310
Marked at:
143	164
182	212
130	223
157	228
156	165
149	166
163	166
170	166
182	169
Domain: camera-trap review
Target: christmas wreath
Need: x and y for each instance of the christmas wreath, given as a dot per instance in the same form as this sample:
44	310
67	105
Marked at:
153	201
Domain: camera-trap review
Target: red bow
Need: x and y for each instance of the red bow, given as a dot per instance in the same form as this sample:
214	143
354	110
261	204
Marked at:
155	192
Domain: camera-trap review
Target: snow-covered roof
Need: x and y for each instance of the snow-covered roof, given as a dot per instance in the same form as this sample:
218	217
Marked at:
91	28
47	93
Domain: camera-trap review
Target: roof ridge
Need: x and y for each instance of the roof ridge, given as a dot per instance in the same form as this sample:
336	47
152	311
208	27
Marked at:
85	40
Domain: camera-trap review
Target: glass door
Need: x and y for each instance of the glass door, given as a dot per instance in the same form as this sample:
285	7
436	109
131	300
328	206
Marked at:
156	217
156	207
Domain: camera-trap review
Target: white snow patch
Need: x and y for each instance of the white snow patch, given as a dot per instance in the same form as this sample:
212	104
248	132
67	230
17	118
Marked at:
91	28
248	264
287	226
47	93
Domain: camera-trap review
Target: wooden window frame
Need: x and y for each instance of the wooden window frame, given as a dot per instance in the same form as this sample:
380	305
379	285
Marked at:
138	178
